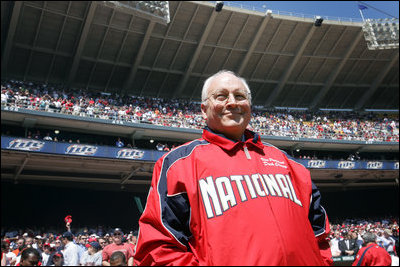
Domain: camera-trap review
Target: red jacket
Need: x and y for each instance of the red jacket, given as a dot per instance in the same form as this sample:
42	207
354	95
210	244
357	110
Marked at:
375	256
213	201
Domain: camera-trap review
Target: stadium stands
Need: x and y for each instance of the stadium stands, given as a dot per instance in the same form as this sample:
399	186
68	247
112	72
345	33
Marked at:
181	113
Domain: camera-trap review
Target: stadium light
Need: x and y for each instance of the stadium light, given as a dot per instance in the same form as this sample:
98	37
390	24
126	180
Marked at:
219	5
157	10
318	21
381	33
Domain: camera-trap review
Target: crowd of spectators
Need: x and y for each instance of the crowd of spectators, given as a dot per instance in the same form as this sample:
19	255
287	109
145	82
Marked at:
183	113
84	247
97	246
351	230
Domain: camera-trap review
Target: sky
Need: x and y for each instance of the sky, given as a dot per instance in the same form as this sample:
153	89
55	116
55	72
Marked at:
342	9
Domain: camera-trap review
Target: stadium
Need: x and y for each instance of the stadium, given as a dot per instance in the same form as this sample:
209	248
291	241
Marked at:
147	72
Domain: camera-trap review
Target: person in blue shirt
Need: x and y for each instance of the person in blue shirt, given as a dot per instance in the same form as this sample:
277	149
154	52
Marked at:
119	143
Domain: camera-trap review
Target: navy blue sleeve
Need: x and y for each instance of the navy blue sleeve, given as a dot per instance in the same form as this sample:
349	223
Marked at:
317	214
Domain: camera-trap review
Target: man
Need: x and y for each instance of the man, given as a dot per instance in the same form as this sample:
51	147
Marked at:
229	199
348	246
46	253
29	257
372	254
71	250
82	241
388	241
103	243
117	245
21	246
335	245
132	237
29	242
93	256
9	257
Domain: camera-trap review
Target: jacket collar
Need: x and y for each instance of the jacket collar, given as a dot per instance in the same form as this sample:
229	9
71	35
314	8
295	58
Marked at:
250	138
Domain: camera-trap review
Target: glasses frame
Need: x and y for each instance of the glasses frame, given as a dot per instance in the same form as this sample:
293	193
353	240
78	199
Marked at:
214	97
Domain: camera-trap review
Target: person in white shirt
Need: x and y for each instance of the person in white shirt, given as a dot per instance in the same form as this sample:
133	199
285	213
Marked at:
335	245
46	253
71	250
48	137
93	256
388	241
9	256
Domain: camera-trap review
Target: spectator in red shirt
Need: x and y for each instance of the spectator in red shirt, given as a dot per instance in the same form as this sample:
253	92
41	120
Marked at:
117	245
372	254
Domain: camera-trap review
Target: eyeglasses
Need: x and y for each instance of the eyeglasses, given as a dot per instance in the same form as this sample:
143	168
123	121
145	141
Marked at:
117	234
223	96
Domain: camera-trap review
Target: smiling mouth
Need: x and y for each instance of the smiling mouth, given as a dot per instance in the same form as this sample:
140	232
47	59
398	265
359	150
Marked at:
233	114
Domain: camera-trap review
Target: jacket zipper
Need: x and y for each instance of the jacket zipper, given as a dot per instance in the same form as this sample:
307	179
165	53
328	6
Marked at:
246	151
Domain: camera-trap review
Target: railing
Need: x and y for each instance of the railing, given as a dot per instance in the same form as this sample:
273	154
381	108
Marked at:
286	13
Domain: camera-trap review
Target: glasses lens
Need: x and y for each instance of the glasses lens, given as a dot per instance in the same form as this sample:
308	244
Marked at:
222	97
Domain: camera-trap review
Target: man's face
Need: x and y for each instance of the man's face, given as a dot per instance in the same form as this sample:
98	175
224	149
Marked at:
337	235
20	243
102	242
83	240
117	238
58	243
227	108
29	242
64	241
91	250
46	249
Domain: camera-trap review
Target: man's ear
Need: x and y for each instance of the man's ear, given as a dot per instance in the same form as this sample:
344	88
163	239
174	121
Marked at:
204	111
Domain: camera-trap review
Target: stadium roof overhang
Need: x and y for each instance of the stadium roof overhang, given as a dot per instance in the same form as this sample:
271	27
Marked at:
287	61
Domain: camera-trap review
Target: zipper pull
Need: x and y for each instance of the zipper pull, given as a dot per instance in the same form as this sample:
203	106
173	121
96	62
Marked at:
246	151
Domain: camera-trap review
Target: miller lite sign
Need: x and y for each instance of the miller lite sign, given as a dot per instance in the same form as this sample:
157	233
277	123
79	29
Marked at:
316	164
26	144
396	165
81	150
374	165
346	165
130	154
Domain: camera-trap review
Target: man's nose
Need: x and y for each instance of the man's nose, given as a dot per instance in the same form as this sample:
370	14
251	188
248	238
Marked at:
231	99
